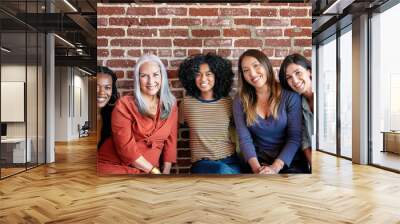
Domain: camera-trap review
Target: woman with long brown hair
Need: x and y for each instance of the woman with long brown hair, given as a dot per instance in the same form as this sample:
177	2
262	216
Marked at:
268	119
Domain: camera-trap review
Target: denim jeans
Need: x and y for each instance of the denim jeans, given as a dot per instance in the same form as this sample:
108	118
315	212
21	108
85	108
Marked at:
228	165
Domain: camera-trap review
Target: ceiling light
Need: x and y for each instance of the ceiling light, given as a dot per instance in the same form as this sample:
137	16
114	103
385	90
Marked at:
5	50
86	72
65	41
337	7
70	5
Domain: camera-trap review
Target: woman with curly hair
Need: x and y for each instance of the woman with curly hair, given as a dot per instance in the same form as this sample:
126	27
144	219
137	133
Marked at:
207	110
268	119
144	126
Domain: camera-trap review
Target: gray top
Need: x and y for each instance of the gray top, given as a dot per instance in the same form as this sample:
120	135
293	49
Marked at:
308	124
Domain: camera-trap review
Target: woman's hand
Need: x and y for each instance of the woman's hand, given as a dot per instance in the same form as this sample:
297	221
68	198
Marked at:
142	164
167	168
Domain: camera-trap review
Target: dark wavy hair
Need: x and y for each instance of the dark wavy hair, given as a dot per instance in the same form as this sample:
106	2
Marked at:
222	69
297	59
107	109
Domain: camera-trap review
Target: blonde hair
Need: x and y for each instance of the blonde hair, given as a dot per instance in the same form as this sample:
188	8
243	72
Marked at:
247	92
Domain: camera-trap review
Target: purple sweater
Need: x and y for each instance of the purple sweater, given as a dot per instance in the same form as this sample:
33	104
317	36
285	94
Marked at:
279	138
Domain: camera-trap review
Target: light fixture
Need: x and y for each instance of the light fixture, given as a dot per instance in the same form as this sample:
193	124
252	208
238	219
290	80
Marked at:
337	7
5	49
64	40
70	5
86	72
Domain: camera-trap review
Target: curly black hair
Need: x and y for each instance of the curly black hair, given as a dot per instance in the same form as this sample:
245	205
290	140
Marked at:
222	69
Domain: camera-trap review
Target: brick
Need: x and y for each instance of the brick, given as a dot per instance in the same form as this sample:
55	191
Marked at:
183	144
180	53
164	53
185	22
178	93
237	52
120	74
276	22
102	22
176	84
249	22
218	42
206	33
110	10
303	42
264	12
234	12
224	52
141	11
120	63
184	162
172	11
117	52
268	51
183	153
110	32
125	43
102	52
134	53
154	22
126	93
125	84
301	22
193	52
203	12
174	33
157	43
293	12
100	62
281	52
187	42
276	62
150	51
102	42
206	51
237	33
269	32
172	73
185	133
141	32
298	4
129	74
277	42
217	22
297	32
307	53
175	63
248	43
123	21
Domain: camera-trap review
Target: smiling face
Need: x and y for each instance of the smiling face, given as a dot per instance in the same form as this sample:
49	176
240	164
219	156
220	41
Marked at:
104	89
150	78
254	72
298	78
205	80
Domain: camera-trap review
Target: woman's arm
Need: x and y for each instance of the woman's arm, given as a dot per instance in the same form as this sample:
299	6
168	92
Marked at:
245	139
169	154
294	128
124	138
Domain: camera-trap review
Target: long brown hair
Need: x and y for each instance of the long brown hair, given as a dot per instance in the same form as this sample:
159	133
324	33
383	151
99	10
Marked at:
247	92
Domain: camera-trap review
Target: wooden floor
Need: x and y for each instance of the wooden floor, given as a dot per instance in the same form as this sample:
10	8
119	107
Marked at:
69	191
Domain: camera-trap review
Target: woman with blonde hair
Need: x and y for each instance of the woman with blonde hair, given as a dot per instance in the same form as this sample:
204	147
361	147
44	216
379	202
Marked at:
144	126
268	119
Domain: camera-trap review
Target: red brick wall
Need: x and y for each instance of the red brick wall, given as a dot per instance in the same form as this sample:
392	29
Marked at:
175	31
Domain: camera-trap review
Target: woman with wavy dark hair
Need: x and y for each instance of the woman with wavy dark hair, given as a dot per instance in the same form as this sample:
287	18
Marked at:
267	118
207	110
107	95
295	75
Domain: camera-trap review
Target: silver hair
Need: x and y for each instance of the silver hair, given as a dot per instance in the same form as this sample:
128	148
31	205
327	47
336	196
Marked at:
167	99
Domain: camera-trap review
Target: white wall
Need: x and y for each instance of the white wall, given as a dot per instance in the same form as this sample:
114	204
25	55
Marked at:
69	85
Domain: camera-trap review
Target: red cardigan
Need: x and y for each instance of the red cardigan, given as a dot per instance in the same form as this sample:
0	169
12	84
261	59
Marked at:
135	135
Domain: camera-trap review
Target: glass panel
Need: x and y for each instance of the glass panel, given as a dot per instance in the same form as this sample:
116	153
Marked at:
346	94
385	84
13	85
327	96
41	98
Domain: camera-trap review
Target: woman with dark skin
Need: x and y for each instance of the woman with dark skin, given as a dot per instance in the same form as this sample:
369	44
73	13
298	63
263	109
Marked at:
295	75
207	80
107	95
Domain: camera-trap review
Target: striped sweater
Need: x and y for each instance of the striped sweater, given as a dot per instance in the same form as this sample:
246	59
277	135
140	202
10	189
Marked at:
209	123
